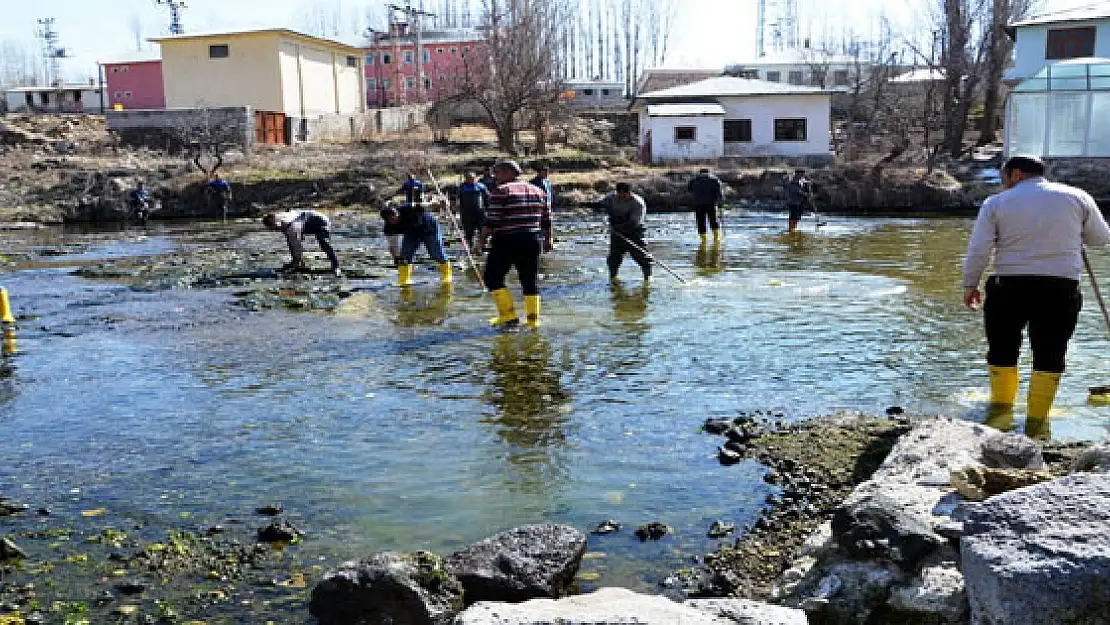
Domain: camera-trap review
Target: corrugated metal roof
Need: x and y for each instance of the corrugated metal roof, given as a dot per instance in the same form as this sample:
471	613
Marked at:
1093	11
684	110
725	86
254	31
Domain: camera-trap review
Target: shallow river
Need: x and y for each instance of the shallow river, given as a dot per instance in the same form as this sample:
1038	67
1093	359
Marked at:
404	422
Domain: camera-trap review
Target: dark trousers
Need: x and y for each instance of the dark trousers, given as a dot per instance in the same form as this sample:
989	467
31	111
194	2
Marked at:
471	224
319	227
520	250
618	247
1049	306
703	212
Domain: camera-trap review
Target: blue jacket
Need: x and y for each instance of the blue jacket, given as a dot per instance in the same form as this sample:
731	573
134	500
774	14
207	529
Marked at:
220	186
413	190
473	199
545	184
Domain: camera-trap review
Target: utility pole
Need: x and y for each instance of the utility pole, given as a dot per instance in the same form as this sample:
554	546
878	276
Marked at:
176	27
51	53
414	18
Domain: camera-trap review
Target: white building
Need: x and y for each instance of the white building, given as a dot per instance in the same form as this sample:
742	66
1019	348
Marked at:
816	68
1059	36
596	93
729	116
76	98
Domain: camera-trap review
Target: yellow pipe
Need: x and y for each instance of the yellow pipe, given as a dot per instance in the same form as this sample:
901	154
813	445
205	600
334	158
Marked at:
5	308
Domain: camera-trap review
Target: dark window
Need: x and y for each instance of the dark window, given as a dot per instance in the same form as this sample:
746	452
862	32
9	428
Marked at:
818	77
738	131
685	133
387	58
29	98
427	83
840	78
587	92
604	92
774	76
352	61
1070	43
795	78
221	51
790	130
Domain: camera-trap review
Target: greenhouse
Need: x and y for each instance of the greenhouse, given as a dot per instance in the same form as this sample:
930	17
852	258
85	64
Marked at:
1062	111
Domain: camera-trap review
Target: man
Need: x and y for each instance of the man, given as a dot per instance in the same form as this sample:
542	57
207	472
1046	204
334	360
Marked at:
1036	230
542	182
707	193
412	189
295	224
473	200
627	212
221	191
519	222
417	228
798	197
139	199
393	231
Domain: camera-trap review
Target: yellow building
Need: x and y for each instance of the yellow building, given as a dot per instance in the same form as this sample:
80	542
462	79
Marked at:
272	70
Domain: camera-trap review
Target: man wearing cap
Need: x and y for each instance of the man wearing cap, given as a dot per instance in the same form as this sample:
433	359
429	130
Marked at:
417	227
518	227
1036	230
707	193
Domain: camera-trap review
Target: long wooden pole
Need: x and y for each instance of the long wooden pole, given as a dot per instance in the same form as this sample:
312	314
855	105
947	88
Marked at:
459	230
649	256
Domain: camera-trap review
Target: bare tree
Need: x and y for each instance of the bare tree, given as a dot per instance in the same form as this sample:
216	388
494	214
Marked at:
20	65
999	49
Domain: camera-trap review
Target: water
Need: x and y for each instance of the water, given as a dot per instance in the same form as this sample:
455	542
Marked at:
405	423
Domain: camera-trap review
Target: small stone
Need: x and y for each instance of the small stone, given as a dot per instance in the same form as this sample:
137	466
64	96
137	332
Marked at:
652	531
279	532
717	426
270	510
895	411
606	527
132	587
727	456
737	447
720	529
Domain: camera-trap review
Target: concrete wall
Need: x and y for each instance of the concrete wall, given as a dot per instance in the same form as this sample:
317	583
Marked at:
332	128
764	110
134	85
316	80
56	100
162	129
249	76
708	145
1031	45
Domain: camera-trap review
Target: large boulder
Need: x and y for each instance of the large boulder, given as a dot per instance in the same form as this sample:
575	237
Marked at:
529	562
1040	555
617	606
1012	451
388	588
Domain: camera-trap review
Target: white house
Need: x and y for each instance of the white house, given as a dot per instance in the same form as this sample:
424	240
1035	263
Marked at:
596	93
1059	36
75	98
728	116
807	66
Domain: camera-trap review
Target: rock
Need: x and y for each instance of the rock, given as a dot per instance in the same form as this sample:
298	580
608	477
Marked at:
847	592
977	483
652	531
9	507
894	411
280	532
937	590
1040	555
887	525
1012	451
617	606
745	612
606	527
720	529
728	457
523	563
1094	459
388	588
10	551
273	509
717	426
133	587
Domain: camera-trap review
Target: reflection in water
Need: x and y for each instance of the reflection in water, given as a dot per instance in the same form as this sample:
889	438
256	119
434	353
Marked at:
7	366
416	308
531	406
708	259
630	305
8	345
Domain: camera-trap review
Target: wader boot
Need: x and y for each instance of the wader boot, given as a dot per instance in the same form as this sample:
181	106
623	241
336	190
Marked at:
445	273
1042	392
506	315
704	238
404	275
532	310
1004	387
716	236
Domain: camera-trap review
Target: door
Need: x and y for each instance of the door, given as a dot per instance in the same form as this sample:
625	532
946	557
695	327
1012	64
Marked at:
269	127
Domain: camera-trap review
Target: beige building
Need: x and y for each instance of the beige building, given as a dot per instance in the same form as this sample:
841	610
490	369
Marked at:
274	70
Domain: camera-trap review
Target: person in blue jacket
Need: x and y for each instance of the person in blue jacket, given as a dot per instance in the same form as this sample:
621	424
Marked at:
418	227
544	183
473	201
412	189
221	191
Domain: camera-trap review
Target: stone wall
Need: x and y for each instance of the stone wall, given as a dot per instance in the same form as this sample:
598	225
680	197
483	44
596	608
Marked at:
347	128
166	128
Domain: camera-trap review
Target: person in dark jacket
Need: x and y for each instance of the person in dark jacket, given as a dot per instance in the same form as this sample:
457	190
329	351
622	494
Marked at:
418	227
221	194
707	193
798	197
627	212
473	200
412	189
541	180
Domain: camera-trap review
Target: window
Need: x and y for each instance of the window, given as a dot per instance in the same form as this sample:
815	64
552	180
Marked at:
439	50
794	77
370	59
352	61
125	68
1070	43
774	76
385	84
454	50
118	95
371	83
410	83
818	77
738	131
790	130
427	55
409	57
685	133
387	58
840	78
126	95
604	92
221	51
587	92
466	49
427	83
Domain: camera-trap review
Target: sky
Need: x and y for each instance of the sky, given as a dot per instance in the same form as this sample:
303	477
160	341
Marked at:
706	33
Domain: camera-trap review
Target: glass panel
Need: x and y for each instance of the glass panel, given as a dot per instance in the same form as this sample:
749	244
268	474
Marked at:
1068	71
1068	84
1099	69
1068	119
1027	123
1099	143
1033	84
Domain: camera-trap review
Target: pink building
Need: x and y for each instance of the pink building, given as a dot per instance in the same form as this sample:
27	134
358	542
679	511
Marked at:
391	64
133	83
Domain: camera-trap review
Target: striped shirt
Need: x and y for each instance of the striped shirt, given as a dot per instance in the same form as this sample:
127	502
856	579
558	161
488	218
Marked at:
516	207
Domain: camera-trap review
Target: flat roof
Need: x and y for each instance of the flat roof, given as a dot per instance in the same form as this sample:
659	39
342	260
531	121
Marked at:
145	56
287	32
1092	11
726	86
73	87
684	110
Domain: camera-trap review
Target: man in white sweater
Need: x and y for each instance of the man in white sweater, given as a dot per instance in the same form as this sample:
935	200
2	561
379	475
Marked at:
295	224
1036	230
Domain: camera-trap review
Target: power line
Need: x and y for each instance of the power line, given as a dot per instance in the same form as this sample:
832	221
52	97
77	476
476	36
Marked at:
52	53
176	25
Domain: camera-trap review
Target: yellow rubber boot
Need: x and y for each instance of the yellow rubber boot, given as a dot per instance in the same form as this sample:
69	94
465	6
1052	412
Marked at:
404	275
445	273
532	310
1042	392
1004	385
505	312
716	237
704	239
5	308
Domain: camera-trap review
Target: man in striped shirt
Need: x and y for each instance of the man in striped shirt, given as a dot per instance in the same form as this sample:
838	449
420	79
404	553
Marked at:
518	226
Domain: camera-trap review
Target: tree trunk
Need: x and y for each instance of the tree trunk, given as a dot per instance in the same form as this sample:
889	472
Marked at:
540	130
506	138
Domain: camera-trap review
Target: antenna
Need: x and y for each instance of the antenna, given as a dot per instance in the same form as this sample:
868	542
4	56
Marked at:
51	53
176	27
414	16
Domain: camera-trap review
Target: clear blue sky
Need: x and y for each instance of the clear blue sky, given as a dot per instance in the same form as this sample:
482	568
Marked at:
707	33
